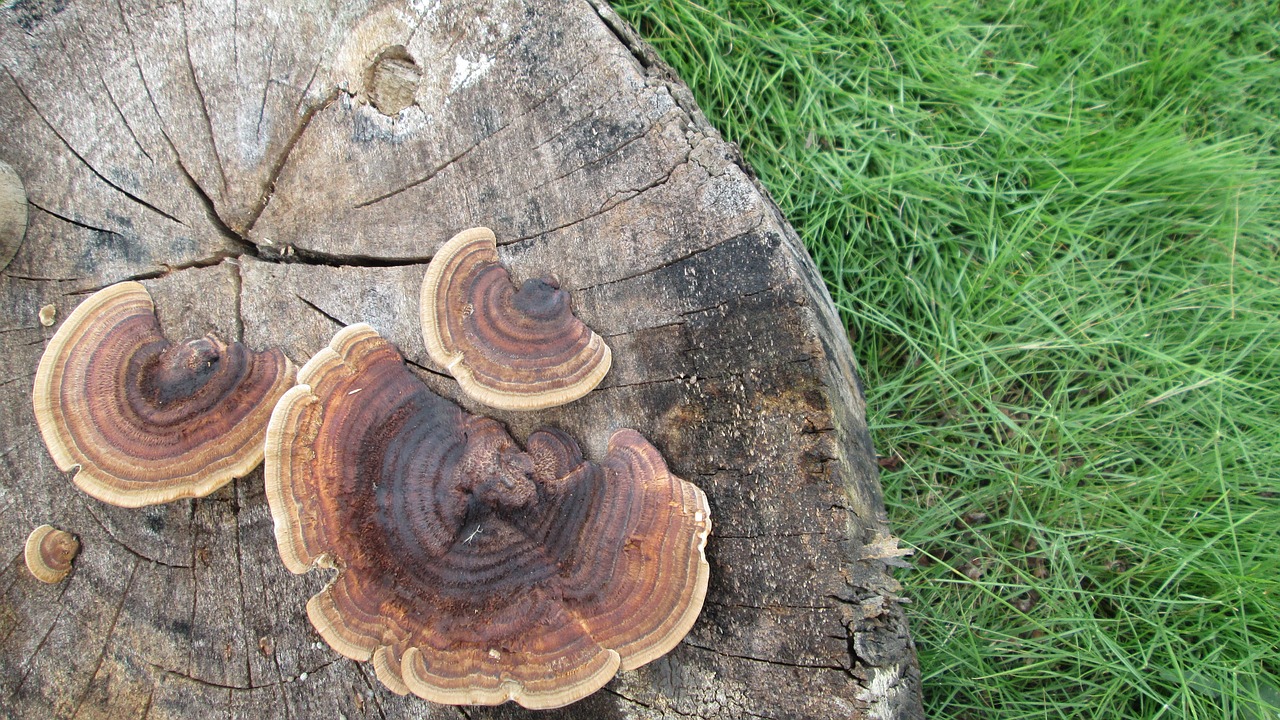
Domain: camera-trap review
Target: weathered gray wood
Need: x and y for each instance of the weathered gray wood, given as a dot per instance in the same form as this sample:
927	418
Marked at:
238	158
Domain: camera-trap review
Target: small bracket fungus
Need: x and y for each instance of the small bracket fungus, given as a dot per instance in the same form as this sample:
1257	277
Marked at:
49	553
146	420
510	348
471	571
13	214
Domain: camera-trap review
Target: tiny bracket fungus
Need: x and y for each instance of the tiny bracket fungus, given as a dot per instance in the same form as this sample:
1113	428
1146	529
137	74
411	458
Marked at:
49	553
510	348
146	420
471	571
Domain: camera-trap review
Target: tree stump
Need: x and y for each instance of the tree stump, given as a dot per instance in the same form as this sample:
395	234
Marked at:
275	170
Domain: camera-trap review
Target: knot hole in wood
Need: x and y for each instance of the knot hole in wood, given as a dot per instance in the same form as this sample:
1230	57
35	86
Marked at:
391	80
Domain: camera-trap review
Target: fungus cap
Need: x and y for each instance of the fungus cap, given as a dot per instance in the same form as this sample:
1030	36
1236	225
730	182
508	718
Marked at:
49	553
13	213
510	348
471	571
146	420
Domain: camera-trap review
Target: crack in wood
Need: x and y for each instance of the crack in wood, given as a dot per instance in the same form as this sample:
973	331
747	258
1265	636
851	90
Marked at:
605	207
597	160
204	105
269	189
244	612
767	661
682	258
609	203
106	641
321	311
195	586
373	693
188	677
125	546
424	368
237	289
620	30
284	700
111	97
595	57
146	707
266	85
83	161
625	698
426	178
37	278
125	121
206	201
769	608
71	221
537	104
30	662
15	378
164	271
306	256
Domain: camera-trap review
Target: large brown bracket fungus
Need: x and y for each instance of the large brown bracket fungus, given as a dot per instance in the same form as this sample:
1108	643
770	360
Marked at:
510	348
471	571
149	421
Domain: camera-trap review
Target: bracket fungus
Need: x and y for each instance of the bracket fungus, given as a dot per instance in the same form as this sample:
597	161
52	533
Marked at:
510	348
49	553
146	420
13	213
471	571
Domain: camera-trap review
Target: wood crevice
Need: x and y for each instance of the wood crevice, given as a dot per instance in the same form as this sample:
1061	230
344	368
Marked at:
139	556
30	661
106	640
321	311
188	677
81	159
673	261
626	698
425	369
269	187
610	204
767	661
71	221
768	608
373	694
204	103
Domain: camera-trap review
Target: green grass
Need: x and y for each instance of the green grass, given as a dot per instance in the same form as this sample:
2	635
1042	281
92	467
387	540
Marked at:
1052	228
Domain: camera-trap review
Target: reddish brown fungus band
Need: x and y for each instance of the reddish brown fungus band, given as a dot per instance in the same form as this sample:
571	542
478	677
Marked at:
512	348
146	420
471	570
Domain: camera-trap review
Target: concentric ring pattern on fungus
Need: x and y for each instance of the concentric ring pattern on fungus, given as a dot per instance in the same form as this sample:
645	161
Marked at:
471	571
49	552
144	419
508	347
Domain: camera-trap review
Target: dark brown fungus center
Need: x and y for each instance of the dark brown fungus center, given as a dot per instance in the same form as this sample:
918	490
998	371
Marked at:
146	420
472	570
512	348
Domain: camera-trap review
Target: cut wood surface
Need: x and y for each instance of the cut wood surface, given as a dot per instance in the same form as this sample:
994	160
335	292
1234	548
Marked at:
273	171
